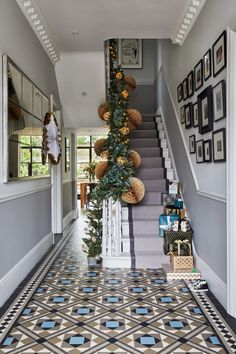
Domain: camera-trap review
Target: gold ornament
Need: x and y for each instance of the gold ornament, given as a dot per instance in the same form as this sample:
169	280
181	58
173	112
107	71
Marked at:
103	108
104	154
126	141
124	94
134	118
136	192
135	158
106	116
99	146
119	75
130	83
121	160
101	169
124	130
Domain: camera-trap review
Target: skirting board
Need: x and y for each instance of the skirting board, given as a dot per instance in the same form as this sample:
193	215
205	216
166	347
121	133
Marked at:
69	217
18	273
216	285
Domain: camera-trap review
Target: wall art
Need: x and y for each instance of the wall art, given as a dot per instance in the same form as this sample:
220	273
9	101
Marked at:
219	145
205	111
219	52
219	100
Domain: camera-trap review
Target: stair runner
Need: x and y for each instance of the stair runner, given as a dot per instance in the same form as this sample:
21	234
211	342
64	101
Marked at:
146	245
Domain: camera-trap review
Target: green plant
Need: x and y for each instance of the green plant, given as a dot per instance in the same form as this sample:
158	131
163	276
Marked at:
89	170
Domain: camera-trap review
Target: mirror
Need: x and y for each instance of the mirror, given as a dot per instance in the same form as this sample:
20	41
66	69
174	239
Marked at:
24	110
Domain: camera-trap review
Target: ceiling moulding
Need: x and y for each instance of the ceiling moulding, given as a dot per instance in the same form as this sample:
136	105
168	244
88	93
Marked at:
189	15
36	21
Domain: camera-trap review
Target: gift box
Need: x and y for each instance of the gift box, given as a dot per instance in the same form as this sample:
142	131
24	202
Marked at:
165	222
178	203
181	262
181	248
171	236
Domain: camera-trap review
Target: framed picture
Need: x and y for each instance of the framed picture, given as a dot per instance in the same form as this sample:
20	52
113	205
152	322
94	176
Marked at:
219	51
207	150
219	100
192	142
182	115
207	65
205	111
130	53
67	154
219	145
195	115
185	89
190	84
199	151
188	115
179	93
198	75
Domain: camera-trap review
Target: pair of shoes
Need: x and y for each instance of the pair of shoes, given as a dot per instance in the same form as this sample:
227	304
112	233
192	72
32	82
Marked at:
198	286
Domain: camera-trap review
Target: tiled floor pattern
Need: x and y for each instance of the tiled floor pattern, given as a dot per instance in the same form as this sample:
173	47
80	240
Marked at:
74	309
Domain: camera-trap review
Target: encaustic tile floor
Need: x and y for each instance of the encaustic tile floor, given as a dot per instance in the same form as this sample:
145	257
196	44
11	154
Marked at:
70	308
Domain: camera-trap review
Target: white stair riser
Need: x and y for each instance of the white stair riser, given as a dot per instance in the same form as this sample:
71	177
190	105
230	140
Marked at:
170	174
165	153
164	144
125	213
162	134
167	163
158	119
126	245
160	126
125	228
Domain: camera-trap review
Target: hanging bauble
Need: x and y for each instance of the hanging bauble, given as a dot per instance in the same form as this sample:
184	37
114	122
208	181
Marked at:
106	116
104	154
121	160
126	141
124	130
135	158
134	118
103	108
119	75
101	169
124	94
99	146
136	192
130	83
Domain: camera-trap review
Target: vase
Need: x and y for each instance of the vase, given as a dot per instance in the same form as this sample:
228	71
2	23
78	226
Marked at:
92	261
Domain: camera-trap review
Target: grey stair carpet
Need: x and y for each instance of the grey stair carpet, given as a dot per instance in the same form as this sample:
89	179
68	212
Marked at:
146	245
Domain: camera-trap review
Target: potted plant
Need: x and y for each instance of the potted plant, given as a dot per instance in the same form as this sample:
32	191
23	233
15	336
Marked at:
89	170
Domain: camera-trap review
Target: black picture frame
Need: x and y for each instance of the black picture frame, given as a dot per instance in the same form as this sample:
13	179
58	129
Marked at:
185	89
195	115
219	100
67	154
207	150
219	145
207	65
199	151
190	79
219	53
198	75
188	113
180	93
192	144
205	111
182	114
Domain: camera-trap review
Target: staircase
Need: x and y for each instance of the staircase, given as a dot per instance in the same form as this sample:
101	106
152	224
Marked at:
141	231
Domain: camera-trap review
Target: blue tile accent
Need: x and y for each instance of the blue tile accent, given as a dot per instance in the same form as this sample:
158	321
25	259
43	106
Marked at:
78	340
158	281
113	281
112	299
141	310
184	290
65	281
8	341
26	311
137	290
147	340
112	324
88	290
83	310
58	299
214	340
135	274
91	274
166	299
48	324
40	290
197	310
176	324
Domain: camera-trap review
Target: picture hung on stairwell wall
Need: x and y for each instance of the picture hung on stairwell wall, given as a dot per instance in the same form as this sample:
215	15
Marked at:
207	65
198	75
185	89
199	151
188	115
179	93
219	100
205	111
190	84
130	53
219	52
195	114
182	115
192	144
219	145
207	150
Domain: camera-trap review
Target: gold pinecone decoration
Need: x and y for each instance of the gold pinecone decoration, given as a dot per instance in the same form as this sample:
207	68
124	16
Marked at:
103	108
135	158
99	146
134	118
101	169
130	83
136	192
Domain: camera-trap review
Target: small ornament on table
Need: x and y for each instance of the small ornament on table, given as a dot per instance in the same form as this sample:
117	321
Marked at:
124	130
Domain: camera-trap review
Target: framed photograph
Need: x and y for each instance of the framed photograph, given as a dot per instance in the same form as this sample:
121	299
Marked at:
182	115
219	52
207	150
195	115
199	151
179	93
192	144
219	100
207	65
190	84
185	89
130	53
205	111
67	154
188	115
219	145
198	75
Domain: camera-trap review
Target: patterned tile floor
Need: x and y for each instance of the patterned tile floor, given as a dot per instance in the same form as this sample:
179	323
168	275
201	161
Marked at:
70	308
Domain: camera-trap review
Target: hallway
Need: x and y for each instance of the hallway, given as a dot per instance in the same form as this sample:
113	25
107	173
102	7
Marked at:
68	308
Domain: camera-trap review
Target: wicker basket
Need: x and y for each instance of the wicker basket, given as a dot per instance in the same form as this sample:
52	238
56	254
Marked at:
181	262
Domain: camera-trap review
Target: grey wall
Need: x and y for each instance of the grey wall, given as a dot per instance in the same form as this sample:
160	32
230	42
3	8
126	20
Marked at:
67	197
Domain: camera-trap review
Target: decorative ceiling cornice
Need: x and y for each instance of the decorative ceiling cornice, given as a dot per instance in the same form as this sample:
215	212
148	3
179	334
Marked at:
187	20
36	21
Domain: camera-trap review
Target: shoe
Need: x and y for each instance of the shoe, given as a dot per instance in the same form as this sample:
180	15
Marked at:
199	286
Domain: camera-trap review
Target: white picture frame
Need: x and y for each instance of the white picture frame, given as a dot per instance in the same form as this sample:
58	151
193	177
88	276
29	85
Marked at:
130	53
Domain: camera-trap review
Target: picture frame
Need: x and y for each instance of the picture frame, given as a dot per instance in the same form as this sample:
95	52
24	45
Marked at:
192	144
207	150
185	89
182	115
67	154
199	151
198	75
195	115
219	100
188	115
219	52
130	53
190	79
179	93
219	145
207	65
205	111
